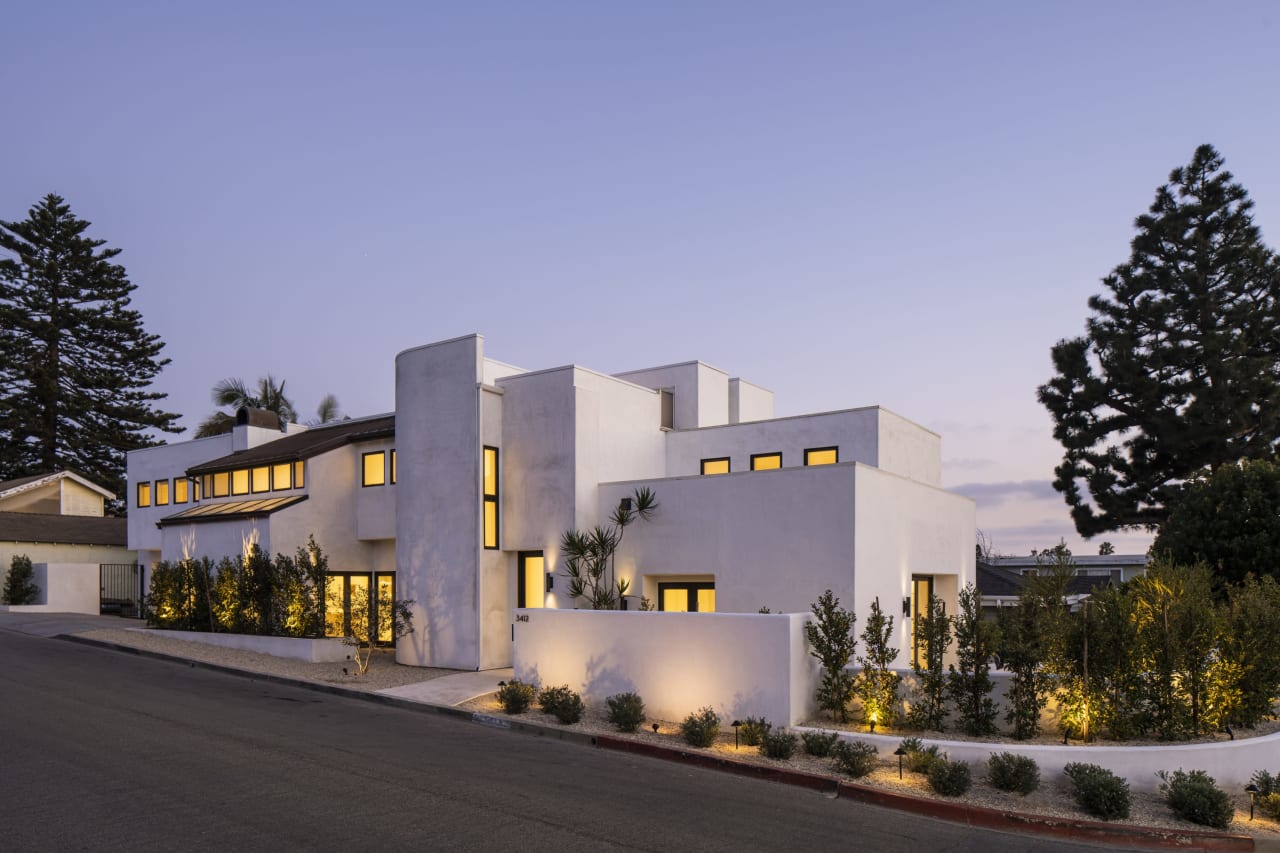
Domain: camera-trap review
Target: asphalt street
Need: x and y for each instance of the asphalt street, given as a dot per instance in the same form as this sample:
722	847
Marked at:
103	750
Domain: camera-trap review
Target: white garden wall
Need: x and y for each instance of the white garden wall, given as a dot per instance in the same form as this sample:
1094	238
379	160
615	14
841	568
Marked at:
312	651
64	588
741	664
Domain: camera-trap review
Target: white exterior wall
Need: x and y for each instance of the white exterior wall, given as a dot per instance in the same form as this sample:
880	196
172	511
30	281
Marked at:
496	569
909	449
215	539
700	392
68	587
328	513
854	431
297	648
438	503
375	506
749	402
907	528
739	664
158	463
769	538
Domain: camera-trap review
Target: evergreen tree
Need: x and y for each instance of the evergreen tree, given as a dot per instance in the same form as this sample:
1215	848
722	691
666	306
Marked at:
969	680
831	641
19	584
932	631
1171	374
878	685
75	361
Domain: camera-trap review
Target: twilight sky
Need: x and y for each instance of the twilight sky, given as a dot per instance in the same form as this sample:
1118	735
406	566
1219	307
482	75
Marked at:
902	204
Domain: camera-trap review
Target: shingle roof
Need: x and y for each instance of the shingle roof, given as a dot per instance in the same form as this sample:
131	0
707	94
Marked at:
6	485
302	445
63	529
996	581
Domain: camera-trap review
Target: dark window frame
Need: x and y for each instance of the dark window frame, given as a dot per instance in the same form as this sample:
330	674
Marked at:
691	587
728	465
393	466
522	591
809	450
373	578
173	491
916	642
137	498
155	492
254	491
491	498
363	457
289	484
755	456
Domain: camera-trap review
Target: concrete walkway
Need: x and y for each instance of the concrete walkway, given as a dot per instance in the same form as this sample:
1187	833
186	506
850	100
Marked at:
451	690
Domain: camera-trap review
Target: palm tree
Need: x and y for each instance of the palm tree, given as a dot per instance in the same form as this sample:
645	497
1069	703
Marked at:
235	393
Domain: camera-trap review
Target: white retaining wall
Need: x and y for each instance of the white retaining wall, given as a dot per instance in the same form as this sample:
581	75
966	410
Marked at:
741	664
312	651
64	588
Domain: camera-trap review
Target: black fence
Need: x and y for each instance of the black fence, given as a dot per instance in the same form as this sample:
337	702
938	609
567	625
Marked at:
121	585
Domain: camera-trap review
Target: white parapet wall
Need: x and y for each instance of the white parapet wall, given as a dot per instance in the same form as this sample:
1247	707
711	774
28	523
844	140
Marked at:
1231	763
740	664
312	651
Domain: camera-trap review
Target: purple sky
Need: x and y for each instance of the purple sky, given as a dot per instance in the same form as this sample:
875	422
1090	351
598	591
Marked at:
849	205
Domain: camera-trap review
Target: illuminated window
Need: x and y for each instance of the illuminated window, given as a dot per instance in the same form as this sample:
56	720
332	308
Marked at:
531	584
393	466
240	481
179	490
281	477
716	466
491	498
196	491
765	461
144	494
162	492
299	474
687	597
221	484
822	456
261	479
374	466
921	595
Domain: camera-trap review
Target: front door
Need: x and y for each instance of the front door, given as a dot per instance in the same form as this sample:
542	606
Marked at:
531	584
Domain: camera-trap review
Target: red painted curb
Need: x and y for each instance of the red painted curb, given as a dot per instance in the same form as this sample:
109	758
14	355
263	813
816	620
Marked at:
798	778
1079	830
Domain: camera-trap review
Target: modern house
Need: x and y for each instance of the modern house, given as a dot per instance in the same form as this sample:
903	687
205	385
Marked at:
458	500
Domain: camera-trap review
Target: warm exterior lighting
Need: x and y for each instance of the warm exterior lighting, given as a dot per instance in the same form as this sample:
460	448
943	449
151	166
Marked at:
899	752
871	721
735	725
1252	790
906	605
625	504
551	581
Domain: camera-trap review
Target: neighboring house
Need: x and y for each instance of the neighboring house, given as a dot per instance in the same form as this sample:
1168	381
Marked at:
1117	568
1001	579
458	500
58	518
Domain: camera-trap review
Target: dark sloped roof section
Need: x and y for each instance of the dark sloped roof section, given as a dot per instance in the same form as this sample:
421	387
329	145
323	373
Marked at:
63	529
302	445
20	481
1000	582
231	510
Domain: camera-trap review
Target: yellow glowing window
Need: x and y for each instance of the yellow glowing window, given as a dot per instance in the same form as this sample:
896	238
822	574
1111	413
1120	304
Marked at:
196	491
706	600
144	494
179	490
261	479
531	591
374	466
675	600
490	483
162	493
299	474
240	481
386	596
822	456
685	596
393	467
281	477
715	466
221	484
335	606
766	461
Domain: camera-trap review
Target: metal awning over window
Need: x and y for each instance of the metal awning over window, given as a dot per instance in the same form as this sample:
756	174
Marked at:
232	510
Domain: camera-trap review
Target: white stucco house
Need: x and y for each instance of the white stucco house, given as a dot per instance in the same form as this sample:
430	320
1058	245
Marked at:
458	500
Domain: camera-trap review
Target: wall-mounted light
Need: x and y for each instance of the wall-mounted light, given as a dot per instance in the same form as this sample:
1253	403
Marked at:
906	605
551	582
625	503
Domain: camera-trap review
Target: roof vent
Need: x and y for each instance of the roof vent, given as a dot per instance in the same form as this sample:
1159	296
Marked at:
264	418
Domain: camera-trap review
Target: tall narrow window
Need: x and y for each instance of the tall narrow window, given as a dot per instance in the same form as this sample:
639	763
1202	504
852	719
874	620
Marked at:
822	456
531	582
281	477
261	479
144	494
491	497
716	466
299	474
921	595
765	461
393	466
180	485
162	492
374	466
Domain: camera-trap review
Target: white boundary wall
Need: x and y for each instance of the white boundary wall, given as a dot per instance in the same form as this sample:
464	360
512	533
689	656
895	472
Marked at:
313	651
741	664
64	588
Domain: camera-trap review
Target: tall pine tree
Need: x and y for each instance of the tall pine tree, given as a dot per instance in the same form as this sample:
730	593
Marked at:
1180	362
76	364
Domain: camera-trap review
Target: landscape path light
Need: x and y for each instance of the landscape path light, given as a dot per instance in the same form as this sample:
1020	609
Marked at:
1252	790
735	725
899	752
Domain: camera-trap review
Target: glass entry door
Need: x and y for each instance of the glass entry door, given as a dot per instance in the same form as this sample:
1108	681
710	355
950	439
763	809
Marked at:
531	583
360	590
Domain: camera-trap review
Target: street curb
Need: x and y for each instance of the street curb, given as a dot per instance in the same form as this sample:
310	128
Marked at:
977	816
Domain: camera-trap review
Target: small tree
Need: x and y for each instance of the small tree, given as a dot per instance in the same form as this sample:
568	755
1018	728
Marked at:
878	686
933	637
376	618
589	554
969	681
1249	644
1022	651
19	585
831	641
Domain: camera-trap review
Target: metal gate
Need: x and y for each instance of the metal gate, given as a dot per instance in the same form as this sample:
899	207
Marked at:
121	585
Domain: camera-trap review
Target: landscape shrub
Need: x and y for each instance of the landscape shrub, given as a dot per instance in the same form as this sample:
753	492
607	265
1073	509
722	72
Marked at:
1009	771
949	778
1268	797
19	584
754	729
819	744
918	758
1098	791
626	711
778	743
701	727
855	758
1196	797
566	705
515	696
